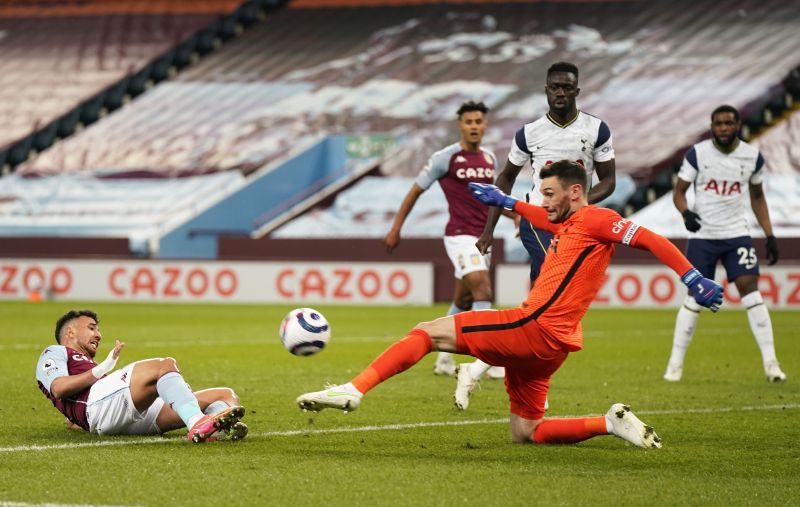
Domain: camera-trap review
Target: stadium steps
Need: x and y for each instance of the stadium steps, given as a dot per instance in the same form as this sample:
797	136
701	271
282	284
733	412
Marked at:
57	81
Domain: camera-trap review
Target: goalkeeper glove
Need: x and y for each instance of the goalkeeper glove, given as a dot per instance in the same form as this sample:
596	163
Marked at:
691	220
705	291
772	250
491	195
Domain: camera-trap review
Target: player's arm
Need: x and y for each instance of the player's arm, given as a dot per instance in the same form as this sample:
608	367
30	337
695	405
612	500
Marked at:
758	201
392	238
493	196
67	385
607	175
706	292
609	226
604	165
686	175
505	180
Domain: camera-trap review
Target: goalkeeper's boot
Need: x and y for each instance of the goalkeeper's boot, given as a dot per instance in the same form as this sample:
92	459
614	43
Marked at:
496	372
673	373
628	427
342	397
773	372
465	384
445	365
210	424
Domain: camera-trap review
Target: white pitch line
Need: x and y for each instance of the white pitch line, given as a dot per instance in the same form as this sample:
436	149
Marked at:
50	504
386	427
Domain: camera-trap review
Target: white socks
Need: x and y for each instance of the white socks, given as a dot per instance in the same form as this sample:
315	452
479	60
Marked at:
760	324
685	324
757	315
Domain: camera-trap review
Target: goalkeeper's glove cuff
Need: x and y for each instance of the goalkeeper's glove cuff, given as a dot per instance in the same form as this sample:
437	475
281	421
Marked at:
509	203
691	276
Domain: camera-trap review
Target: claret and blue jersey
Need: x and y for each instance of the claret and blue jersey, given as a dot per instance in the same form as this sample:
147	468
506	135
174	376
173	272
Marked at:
454	168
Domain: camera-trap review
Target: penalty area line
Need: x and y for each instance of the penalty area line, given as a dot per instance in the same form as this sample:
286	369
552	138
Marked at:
113	442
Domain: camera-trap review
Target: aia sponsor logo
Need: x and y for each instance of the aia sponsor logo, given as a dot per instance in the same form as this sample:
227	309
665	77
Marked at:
723	187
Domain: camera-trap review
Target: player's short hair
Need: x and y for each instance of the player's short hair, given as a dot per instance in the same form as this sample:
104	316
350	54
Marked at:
471	105
70	316
725	108
567	172
563	67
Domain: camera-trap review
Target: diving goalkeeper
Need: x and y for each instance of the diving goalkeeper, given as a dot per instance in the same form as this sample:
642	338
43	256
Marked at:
534	339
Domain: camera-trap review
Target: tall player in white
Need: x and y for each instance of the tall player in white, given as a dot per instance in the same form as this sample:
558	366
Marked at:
722	168
564	133
454	167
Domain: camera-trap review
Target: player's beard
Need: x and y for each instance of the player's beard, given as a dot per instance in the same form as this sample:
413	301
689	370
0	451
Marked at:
734	136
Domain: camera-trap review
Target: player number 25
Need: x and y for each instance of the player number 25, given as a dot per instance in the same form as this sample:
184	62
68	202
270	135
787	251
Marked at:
747	257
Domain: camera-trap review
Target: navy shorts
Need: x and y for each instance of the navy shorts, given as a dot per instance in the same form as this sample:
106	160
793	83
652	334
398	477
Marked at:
535	242
737	255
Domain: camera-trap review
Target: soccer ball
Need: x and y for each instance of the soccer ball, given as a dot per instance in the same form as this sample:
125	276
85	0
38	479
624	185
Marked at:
305	331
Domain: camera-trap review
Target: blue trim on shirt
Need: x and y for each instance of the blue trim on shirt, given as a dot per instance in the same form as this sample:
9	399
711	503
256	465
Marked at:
603	133
522	143
691	157
759	162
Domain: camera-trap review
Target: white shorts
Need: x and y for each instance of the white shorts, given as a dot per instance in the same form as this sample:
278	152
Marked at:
110	410
465	256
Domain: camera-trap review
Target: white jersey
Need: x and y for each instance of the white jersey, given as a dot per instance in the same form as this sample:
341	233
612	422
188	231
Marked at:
721	187
584	140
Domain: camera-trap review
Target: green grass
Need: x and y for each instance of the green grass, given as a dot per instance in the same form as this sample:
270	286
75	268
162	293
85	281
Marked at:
725	440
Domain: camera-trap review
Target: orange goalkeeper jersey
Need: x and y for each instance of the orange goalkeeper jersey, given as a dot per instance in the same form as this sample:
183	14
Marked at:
573	268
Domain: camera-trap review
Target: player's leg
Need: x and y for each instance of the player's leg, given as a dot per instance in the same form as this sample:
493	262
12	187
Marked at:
161	378
473	288
703	255
210	401
501	337
402	355
527	387
474	269
741	264
462	301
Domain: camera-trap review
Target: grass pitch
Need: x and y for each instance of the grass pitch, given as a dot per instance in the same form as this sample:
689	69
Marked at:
729	437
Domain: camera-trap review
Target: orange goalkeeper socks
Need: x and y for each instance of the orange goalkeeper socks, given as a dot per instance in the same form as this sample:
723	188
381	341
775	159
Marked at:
398	358
569	431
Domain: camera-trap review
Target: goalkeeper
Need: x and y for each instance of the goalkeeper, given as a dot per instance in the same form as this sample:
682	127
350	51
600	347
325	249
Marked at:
143	398
534	339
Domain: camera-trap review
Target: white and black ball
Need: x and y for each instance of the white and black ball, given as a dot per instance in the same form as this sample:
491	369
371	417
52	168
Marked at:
305	331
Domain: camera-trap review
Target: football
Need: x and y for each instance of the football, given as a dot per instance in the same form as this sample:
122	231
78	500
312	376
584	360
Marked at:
305	331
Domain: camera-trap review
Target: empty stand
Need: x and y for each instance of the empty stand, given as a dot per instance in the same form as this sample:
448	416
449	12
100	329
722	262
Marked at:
780	146
55	55
652	70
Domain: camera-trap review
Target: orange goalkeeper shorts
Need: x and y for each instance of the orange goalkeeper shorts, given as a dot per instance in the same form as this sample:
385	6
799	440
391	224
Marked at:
512	339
